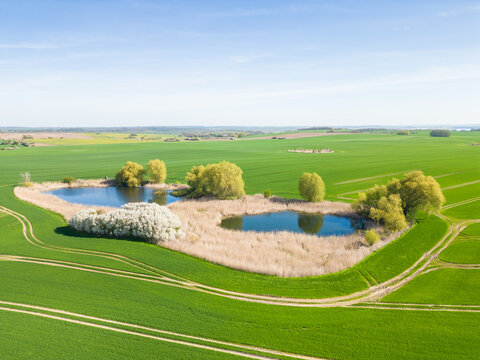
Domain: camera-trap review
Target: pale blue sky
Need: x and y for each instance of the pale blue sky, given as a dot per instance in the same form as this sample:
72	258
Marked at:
285	63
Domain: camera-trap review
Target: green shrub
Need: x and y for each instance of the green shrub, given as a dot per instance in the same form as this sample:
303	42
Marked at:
403	132
157	170
68	180
371	237
130	175
311	187
222	181
440	133
389	213
390	204
369	199
418	192
195	182
267	194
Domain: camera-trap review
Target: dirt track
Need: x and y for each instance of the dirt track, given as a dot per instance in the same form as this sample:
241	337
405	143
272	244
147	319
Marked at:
372	293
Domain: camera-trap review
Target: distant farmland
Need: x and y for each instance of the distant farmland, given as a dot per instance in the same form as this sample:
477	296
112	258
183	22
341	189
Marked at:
69	296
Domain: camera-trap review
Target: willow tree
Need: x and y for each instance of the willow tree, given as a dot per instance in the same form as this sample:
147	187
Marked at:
130	175
311	187
401	198
222	181
157	171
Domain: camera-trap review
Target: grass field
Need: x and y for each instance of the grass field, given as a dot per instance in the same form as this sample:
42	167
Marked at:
63	279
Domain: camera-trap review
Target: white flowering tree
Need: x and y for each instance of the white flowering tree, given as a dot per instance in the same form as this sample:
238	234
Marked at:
150	222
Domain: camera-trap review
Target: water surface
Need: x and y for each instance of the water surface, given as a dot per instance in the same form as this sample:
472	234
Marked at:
113	196
316	224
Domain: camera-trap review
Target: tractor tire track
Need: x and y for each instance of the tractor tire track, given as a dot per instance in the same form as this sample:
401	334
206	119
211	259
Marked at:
106	324
371	293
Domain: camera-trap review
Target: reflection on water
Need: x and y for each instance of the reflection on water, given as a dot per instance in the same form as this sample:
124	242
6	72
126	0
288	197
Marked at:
160	197
232	223
310	223
316	224
113	196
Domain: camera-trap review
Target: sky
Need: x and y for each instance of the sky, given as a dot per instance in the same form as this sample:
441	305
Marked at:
250	63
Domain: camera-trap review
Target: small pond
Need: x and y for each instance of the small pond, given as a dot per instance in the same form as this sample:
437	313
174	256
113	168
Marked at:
113	196
316	224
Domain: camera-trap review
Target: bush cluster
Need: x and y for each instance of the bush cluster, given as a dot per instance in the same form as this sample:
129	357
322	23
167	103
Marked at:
68	180
132	174
440	133
267	194
311	187
371	237
393	203
403	132
222	181
147	221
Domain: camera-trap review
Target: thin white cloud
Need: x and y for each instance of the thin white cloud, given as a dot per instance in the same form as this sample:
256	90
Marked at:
239	12
247	58
458	11
386	82
31	46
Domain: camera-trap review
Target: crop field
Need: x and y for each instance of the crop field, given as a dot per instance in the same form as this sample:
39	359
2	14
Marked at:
63	295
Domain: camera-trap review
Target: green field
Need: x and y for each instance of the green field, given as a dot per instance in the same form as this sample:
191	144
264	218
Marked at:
338	332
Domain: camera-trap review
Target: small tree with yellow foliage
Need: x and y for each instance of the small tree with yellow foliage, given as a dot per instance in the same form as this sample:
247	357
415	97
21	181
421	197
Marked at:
157	171
311	187
222	181
130	175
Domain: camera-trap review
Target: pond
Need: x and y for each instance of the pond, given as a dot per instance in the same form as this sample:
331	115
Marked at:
315	224
113	196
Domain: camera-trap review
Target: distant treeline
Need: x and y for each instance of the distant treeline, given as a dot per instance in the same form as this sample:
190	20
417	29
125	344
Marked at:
317	128
151	129
440	133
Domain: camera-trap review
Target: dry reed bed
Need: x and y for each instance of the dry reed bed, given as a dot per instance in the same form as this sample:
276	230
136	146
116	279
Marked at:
281	253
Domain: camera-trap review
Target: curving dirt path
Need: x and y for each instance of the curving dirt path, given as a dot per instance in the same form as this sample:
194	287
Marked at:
463	202
164	278
370	178
461	185
112	325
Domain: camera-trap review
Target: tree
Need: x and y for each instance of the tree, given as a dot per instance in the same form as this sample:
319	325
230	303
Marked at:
311	187
440	133
400	198
222	181
369	199
418	192
194	181
130	175
157	170
389	212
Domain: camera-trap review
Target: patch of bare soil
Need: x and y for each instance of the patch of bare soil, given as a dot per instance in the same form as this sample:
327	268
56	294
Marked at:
43	135
312	151
296	135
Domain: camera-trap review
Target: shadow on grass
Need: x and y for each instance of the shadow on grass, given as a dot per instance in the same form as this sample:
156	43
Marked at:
71	232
